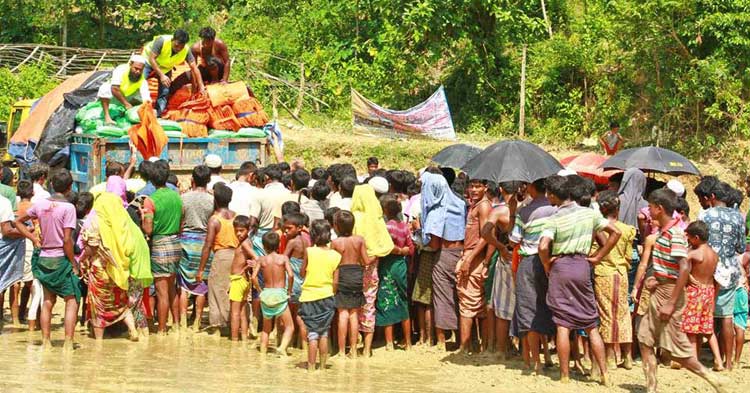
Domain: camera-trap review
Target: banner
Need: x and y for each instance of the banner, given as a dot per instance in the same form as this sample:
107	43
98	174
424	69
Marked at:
431	118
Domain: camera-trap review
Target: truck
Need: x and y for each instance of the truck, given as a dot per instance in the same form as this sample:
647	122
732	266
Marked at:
18	113
89	155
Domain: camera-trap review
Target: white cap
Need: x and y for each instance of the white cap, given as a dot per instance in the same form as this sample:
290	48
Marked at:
379	184
154	159
138	59
311	183
212	161
677	187
566	172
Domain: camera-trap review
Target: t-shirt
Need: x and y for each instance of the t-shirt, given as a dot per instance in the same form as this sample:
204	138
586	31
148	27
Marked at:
726	235
120	73
215	179
267	199
572	227
150	188
6	212
669	248
39	193
197	207
618	260
244	198
53	216
527	234
158	44
288	197
321	264
166	207
9	193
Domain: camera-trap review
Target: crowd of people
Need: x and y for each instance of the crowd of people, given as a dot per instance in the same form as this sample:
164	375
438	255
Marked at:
597	272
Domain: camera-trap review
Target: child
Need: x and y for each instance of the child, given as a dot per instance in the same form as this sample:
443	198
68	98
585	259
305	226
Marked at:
611	285
700	292
611	140
295	251
320	271
278	279
393	303
349	296
740	309
30	284
239	284
222	240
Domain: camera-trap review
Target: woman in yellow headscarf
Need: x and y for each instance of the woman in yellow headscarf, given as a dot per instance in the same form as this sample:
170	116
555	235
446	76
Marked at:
370	224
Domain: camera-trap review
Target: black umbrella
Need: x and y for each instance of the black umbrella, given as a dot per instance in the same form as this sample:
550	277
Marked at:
652	159
512	160
456	156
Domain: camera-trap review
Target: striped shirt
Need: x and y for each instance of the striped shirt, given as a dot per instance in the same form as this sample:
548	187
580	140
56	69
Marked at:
669	248
572	229
527	234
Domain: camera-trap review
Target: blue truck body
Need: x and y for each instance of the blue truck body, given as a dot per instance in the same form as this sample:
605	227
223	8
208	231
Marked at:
89	155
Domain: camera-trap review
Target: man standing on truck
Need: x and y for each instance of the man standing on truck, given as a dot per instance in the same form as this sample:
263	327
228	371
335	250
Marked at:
212	55
164	53
127	80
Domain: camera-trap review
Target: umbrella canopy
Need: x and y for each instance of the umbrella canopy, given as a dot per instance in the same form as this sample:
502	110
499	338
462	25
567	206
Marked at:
652	159
589	165
512	160
456	156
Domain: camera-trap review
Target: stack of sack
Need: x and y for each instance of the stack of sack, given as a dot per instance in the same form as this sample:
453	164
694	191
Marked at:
90	120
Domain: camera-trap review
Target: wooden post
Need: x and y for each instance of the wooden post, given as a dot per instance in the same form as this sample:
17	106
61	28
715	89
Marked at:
31	55
522	109
99	63
301	94
546	19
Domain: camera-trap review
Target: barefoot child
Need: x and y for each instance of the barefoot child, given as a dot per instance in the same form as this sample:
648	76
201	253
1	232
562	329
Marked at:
239	285
661	326
700	292
278	280
293	227
320	271
740	309
349	296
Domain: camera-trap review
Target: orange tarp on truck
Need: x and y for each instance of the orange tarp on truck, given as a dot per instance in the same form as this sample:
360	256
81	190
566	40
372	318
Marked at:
31	129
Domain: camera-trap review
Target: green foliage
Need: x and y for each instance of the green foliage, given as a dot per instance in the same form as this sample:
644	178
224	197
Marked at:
28	82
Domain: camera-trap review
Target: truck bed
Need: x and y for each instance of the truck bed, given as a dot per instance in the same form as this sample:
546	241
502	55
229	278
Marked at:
89	155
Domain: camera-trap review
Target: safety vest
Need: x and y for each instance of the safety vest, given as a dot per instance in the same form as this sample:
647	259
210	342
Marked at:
166	60
127	87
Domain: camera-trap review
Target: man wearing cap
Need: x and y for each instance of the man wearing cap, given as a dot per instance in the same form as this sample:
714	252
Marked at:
127	80
213	162
165	53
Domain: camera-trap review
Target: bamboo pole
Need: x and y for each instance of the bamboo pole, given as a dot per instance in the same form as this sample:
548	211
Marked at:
547	22
301	94
25	60
65	65
522	109
98	63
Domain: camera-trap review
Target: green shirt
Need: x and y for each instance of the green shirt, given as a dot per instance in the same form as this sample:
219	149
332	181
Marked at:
167	211
571	229
9	193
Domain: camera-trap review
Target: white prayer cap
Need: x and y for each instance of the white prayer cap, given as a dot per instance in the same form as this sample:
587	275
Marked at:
566	172
212	161
154	159
138	59
379	184
677	187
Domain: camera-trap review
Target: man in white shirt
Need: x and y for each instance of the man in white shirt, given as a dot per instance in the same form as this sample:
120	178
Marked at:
38	174
346	190
127	80
300	179
268	198
244	194
213	162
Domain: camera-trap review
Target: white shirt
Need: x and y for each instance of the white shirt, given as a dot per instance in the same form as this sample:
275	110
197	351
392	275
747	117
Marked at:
343	204
244	198
120	73
39	193
6	212
215	179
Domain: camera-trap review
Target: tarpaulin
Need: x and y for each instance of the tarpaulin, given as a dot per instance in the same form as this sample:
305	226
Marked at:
148	137
431	118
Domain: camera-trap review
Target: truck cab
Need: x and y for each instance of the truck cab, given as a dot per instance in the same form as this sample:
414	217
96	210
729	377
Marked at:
18	113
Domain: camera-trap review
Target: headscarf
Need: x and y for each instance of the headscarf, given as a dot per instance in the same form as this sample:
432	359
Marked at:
117	186
443	212
124	240
369	222
631	191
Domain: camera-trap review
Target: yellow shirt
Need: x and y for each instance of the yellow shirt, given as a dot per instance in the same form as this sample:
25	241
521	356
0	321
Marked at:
618	260
321	264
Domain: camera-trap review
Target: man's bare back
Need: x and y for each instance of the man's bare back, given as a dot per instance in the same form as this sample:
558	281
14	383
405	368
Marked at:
703	260
275	267
352	249
295	248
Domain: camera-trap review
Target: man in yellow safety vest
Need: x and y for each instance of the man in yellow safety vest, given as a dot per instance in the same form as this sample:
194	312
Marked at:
127	80
163	54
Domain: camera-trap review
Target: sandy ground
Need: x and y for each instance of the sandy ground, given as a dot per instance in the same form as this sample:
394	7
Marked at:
193	362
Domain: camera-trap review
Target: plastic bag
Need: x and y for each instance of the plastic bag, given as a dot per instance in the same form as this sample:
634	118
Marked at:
132	114
174	134
170	125
222	134
94	110
249	132
110	131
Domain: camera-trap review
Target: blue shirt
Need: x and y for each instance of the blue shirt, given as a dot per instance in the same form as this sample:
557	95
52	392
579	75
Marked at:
150	189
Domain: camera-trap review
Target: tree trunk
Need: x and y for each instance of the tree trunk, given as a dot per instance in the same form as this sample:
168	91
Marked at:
546	19
101	5
522	109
